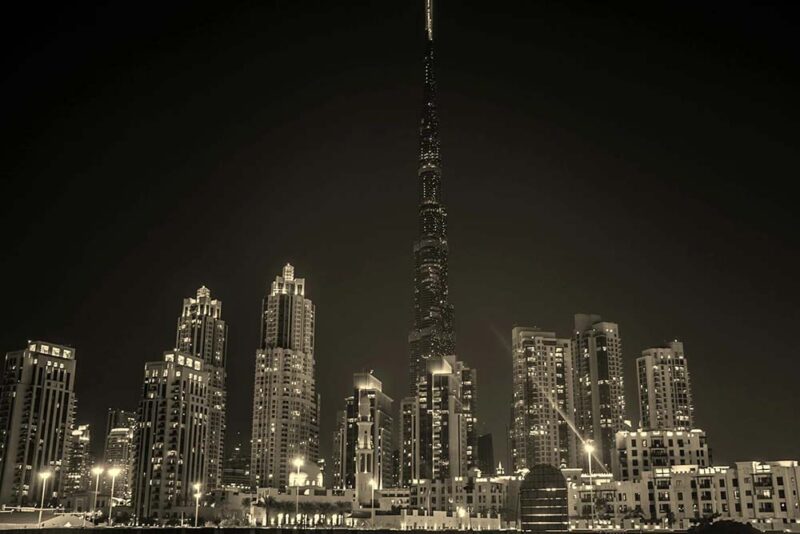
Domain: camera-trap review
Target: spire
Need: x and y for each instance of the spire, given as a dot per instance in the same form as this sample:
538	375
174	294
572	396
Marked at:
429	18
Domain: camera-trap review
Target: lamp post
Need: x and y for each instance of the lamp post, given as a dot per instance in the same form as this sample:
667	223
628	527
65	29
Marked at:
197	487
114	471
298	463
44	475
96	471
589	448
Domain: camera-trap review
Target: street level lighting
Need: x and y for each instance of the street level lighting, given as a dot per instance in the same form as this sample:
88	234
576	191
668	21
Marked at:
461	513
44	475
114	472
589	448
298	463
197	487
96	471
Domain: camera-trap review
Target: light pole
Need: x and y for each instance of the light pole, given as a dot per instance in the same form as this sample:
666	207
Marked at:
197	487
114	471
589	448
44	475
96	471
298	463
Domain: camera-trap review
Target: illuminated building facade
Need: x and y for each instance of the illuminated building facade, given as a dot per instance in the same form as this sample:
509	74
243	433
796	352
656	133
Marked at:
285	402
543	403
433	332
37	407
434	424
170	437
367	389
119	455
202	332
598	385
665	394
79	460
638	452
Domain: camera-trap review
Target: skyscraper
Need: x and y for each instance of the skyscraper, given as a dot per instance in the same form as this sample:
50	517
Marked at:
118	418
171	431
78	461
202	333
665	394
367	395
433	332
118	452
119	455
542	405
37	407
599	391
434	424
285	401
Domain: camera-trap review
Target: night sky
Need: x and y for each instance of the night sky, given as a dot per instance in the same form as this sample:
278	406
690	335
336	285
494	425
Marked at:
631	160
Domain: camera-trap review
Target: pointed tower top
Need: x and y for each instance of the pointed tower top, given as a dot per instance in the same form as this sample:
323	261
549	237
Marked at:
288	272
429	18
203	292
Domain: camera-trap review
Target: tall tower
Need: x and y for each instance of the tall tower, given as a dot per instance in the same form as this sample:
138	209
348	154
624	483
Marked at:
78	460
432	334
37	407
202	333
665	395
170	436
285	401
599	391
542	409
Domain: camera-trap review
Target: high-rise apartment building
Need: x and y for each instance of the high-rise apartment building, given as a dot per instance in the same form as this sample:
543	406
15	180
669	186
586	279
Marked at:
665	394
171	433
543	404
119	455
433	333
434	424
367	395
285	401
37	407
79	460
599	390
202	333
118	418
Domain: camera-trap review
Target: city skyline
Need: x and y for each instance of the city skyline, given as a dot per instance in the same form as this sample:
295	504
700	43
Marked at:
663	285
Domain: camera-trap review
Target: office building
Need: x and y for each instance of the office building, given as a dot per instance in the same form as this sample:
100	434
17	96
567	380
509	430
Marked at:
544	500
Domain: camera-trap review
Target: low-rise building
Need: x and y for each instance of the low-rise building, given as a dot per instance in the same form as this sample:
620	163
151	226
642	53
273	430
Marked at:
642	451
765	494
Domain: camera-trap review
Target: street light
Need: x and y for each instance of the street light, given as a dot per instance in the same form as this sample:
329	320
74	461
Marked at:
96	471
197	487
373	484
114	471
589	448
298	463
44	475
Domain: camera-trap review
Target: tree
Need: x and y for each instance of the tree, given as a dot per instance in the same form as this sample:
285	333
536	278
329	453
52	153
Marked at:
707	526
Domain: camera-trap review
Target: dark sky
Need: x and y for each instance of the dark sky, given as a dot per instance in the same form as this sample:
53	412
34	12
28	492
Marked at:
634	160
